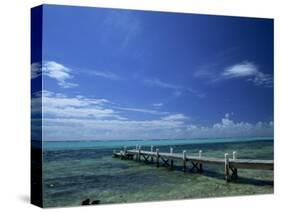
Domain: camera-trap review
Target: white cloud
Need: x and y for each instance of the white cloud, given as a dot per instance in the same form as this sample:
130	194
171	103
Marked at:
177	116
141	110
229	128
249	71
261	79
82	112
79	129
78	118
54	70
244	70
58	105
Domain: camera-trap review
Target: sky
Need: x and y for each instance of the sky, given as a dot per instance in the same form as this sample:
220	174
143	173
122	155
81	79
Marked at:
113	74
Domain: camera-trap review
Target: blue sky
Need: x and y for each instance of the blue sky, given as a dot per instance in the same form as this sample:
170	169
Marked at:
125	74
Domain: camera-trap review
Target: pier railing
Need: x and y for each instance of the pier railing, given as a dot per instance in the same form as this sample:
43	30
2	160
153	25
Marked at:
231	164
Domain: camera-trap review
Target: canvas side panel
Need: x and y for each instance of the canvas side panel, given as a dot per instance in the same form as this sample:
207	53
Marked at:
36	106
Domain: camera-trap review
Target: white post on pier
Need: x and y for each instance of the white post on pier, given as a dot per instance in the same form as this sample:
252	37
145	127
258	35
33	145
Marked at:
157	157
226	167
125	149
137	146
226	157
234	155
171	150
200	153
184	154
151	148
184	160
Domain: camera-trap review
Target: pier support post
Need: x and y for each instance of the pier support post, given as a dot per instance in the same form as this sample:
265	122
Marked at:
234	175
157	157
151	157
172	161
226	167
184	160
136	156
200	167
139	153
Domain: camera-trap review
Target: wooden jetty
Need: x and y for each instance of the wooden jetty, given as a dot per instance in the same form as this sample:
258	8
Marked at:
231	164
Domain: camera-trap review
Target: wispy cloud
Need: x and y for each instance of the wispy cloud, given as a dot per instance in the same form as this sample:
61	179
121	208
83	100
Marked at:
141	110
159	83
54	70
79	129
58	105
246	70
62	73
211	67
177	90
195	92
102	74
122	27
79	117
178	116
157	104
106	75
249	71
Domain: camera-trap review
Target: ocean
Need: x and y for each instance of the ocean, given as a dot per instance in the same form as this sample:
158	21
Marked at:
77	170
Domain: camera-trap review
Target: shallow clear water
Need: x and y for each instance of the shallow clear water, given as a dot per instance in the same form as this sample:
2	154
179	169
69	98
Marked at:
74	145
75	172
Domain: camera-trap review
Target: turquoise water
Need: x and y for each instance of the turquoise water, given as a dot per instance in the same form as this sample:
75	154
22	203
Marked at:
72	145
77	170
